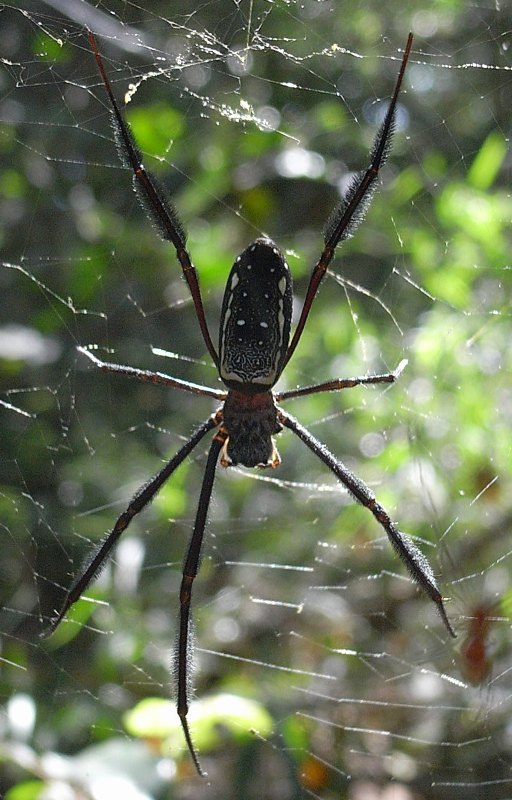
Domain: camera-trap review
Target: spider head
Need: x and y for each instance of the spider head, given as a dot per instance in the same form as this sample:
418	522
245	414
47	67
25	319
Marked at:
255	319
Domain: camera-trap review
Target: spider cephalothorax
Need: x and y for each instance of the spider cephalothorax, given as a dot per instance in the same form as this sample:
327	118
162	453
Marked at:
254	348
250	421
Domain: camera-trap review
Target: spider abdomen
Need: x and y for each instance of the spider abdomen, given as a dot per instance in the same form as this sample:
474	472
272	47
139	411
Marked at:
255	319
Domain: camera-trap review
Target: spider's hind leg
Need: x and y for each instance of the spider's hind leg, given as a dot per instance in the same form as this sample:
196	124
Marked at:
414	560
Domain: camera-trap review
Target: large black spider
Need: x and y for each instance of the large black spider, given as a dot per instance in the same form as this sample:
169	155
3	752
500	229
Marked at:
254	348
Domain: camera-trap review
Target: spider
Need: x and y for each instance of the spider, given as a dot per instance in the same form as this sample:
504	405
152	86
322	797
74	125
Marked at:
254	348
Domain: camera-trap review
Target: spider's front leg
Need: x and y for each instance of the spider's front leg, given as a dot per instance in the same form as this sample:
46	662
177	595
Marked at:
153	199
350	212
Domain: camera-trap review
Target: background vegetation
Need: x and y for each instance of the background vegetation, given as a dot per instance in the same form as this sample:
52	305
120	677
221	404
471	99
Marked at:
321	670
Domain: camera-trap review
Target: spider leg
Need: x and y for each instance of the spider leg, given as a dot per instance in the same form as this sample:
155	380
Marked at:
191	566
144	495
412	557
153	199
350	212
154	377
342	383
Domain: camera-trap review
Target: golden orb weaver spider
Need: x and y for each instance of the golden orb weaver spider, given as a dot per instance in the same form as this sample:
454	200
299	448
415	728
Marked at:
254	348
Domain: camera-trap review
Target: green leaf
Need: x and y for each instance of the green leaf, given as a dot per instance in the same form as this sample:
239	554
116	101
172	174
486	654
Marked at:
50	48
155	127
76	617
209	720
28	790
171	500
487	164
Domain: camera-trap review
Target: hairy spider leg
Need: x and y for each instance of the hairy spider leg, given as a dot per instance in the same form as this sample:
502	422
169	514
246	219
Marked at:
249	365
157	378
139	501
153	200
336	384
411	555
191	566
349	214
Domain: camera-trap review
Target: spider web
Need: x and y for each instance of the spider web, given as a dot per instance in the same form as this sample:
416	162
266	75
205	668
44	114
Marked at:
255	114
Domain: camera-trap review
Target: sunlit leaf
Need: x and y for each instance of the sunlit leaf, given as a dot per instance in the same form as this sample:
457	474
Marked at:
28	790
209	718
488	162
